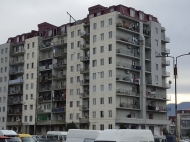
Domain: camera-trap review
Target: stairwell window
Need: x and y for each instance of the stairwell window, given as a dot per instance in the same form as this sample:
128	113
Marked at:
109	100
71	116
110	73
30	118
72	45
94	75
72	68
25	118
102	74
110	47
156	78
71	91
71	103
72	56
156	42
25	107
71	80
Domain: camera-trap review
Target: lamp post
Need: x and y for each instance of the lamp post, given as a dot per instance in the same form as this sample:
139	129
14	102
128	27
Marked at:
35	116
175	78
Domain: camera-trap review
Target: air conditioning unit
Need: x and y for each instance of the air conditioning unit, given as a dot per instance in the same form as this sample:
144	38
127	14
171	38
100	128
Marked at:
18	119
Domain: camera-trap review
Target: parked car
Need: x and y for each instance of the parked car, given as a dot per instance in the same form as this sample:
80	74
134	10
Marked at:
36	137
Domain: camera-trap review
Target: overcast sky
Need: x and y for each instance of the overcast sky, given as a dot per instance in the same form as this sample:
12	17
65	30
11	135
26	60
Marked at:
22	16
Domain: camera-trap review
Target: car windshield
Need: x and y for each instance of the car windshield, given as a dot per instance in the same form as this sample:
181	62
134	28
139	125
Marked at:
30	139
13	139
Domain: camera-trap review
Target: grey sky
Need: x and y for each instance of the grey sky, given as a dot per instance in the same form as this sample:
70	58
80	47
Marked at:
22	16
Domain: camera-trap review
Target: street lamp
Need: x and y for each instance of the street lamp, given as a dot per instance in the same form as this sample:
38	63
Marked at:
175	77
35	116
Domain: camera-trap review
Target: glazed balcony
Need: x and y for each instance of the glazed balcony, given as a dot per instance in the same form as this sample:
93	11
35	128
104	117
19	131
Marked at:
15	72
46	45
84	58
125	92
165	74
16	81
156	108
126	79
17	52
84	95
16	62
165	50
84	46
59	66
44	98
127	53
85	82
14	123
83	108
124	105
126	66
84	70
58	110
127	40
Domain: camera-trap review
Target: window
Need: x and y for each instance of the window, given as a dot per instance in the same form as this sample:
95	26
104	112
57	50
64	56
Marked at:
72	45
94	38
1	70
32	75
94	101
5	79
4	99
110	86
3	119
78	91
78	103
156	30
101	61
25	107
93	127
101	87
27	66
101	49
78	44
1	80
141	16
79	32
78	55
102	24
94	114
110	60
132	13
71	103
25	118
109	100
156	78
32	65
77	115
30	118
1	51
102	74
110	34
94	63
94	75
72	56
156	66
110	113
6	50
28	45
109	126
5	89
94	26
5	59
110	47
72	68
3	109
71	80
71	91
26	96
72	34
101	100
31	96
31	107
101	114
91	16
94	50
110	21
156	42
32	44
78	67
1	60
102	36
32	85
0	89
110	73
94	88
71	116
101	126
27	76
32	54
78	79
28	55
5	69
26	86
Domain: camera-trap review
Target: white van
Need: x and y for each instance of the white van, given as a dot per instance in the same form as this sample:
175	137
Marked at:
160	138
77	135
58	135
13	136
125	135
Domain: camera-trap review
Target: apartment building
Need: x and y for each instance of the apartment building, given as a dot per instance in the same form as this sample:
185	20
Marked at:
98	72
172	126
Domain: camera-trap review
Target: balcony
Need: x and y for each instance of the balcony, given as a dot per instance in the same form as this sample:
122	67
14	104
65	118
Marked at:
124	92
158	96
57	122
15	72
85	82
60	54
84	58
59	98
45	89
43	122
15	112
85	34
44	98
84	95
41	111
84	108
165	62
60	42
45	57
165	74
46	45
16	62
126	79
126	66
84	120
84	70
84	46
127	27
156	108
15	102
58	87
165	50
148	58
14	123
59	76
15	92
16	81
166	85
127	53
58	110
17	53
44	68
59	66
165	39
128	40
148	69
124	105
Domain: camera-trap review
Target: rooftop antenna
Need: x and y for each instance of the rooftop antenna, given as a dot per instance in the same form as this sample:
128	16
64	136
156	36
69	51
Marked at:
71	17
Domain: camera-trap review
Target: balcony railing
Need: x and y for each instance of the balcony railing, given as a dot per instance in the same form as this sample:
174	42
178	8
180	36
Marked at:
60	42
43	57
15	112
165	39
84	95
11	72
15	62
156	108
59	66
12	92
148	69
58	109
125	78
16	81
84	82
59	76
127	53
18	52
44	89
166	85
41	68
15	102
165	50
131	40
84	58
84	108
58	121
40	110
127	92
58	87
85	34
167	74
129	106
165	62
59	98
84	70
84	46
155	95
60	53
84	120
14	123
128	66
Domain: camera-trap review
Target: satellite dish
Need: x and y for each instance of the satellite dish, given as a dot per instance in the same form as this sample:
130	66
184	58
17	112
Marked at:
170	82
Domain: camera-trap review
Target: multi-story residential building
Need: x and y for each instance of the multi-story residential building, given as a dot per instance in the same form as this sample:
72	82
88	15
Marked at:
172	126
98	72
